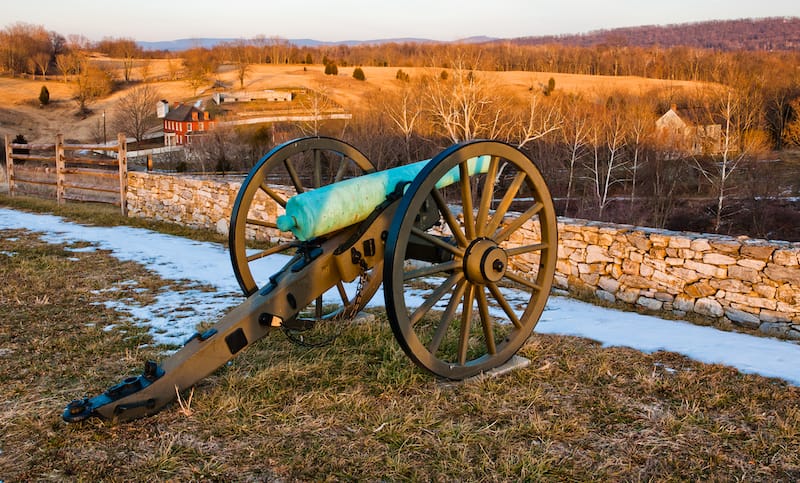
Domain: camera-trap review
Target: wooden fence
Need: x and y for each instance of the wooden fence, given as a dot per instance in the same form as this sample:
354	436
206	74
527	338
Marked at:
69	170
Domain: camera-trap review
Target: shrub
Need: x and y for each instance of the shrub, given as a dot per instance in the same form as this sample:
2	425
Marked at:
402	76
44	96
20	139
550	87
358	74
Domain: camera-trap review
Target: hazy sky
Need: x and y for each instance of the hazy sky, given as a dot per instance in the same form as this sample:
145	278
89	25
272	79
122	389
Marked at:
337	20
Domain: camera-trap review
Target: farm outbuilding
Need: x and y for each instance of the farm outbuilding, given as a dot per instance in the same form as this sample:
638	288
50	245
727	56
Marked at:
690	130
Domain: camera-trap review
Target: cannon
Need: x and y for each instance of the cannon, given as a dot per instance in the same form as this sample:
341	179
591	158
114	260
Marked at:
464	245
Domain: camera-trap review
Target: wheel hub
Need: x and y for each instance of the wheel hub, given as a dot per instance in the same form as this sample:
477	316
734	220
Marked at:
485	262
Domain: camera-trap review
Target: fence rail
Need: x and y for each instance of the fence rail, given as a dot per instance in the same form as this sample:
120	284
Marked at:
75	177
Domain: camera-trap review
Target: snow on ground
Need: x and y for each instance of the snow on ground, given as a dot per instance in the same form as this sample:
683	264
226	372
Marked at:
174	314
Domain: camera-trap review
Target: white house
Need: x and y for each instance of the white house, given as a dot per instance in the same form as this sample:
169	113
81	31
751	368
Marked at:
690	130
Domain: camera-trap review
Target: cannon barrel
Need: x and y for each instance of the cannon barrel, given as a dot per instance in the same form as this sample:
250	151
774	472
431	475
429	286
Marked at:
336	206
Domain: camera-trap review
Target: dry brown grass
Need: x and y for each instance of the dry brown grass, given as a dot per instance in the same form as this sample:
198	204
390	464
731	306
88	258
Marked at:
359	410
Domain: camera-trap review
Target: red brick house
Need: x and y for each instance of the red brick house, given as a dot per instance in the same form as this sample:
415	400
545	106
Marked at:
184	122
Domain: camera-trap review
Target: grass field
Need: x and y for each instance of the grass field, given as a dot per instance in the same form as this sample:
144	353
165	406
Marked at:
359	409
21	114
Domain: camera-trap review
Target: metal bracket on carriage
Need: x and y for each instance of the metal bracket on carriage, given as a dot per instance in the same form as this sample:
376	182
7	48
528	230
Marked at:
80	409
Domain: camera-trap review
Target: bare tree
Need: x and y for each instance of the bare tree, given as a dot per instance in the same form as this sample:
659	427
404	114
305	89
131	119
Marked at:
792	132
240	55
78	42
199	64
19	43
404	109
576	137
315	103
128	51
739	141
67	64
31	67
278	48
91	83
135	112
173	67
221	150
541	119
607	136
463	106
145	70
260	44
641	124
42	61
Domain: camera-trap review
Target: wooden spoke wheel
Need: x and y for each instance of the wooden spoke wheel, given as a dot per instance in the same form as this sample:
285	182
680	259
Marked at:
469	266
258	249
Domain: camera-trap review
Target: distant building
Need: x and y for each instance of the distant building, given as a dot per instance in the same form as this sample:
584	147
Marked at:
248	96
184	122
162	108
690	130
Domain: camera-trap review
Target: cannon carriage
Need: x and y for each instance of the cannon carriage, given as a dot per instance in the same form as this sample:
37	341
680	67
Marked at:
464	246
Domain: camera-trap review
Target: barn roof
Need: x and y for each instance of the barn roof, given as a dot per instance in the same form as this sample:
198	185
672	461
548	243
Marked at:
698	116
183	113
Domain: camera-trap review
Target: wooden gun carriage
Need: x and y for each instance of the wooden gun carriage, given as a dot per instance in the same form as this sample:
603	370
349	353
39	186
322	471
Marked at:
464	245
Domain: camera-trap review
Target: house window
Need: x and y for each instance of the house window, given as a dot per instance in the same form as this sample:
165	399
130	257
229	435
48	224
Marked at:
201	127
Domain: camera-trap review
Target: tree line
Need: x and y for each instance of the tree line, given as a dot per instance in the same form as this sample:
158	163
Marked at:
601	152
776	33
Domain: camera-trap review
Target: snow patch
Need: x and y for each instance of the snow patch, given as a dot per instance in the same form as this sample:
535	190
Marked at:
173	316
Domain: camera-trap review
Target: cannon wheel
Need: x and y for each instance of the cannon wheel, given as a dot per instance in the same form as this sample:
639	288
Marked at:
472	307
303	164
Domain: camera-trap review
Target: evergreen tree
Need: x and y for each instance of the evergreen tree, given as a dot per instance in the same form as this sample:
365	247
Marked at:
20	139
44	96
358	74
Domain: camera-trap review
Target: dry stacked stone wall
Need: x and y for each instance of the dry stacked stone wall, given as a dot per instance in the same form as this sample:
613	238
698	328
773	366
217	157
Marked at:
747	282
199	202
751	283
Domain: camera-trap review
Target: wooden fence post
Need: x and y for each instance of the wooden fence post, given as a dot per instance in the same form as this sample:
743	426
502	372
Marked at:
60	168
9	167
122	159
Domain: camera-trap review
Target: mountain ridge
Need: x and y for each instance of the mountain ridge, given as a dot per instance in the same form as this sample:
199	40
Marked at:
208	42
768	33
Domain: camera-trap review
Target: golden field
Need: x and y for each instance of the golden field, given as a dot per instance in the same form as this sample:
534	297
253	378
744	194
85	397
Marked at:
20	112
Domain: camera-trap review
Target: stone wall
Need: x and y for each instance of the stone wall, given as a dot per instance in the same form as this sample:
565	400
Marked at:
751	283
186	200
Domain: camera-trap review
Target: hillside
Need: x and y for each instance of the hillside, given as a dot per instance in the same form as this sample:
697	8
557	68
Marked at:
21	113
768	34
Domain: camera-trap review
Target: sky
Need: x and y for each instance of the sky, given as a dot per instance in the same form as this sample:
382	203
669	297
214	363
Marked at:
176	258
326	20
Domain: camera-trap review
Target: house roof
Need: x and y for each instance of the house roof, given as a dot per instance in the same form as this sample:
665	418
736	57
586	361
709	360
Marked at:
183	113
699	116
